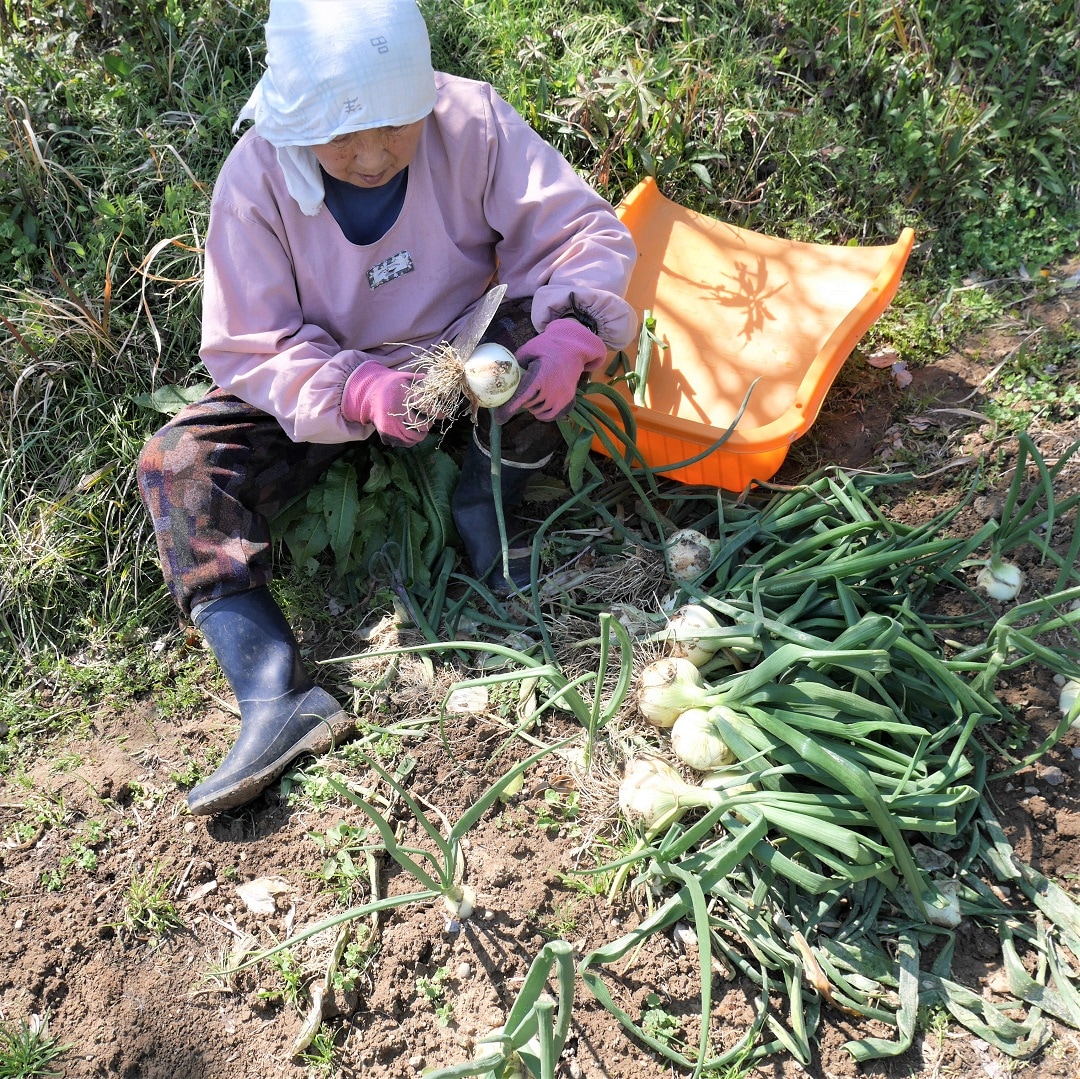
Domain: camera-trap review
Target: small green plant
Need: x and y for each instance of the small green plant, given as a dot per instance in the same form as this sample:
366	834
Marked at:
560	811
94	833
291	972
561	924
594	882
741	1066
340	872
189	774
67	761
934	1019
356	957
22	833
438	873
658	1022
320	1055
47	810
515	821
1039	383
310	786
432	989
27	1049
82	855
148	912
45	813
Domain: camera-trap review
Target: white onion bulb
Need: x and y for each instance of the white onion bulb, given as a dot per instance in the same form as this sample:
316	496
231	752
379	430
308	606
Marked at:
652	791
460	901
667	688
943	904
1000	580
688	631
492	374
688	554
1067	699
694	740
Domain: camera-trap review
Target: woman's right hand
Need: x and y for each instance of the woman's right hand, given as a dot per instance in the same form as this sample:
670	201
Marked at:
377	395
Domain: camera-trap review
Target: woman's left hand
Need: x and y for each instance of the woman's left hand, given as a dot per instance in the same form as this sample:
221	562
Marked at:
554	362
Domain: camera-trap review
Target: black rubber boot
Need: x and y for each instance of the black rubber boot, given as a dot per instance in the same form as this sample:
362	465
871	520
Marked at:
473	506
283	714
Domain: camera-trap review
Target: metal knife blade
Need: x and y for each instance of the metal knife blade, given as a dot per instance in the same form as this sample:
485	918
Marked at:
466	340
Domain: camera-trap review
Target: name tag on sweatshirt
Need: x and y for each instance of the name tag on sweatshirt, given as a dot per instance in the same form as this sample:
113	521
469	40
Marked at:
389	269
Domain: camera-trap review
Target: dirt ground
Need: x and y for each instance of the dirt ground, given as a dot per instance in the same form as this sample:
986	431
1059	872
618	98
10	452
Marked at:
139	1007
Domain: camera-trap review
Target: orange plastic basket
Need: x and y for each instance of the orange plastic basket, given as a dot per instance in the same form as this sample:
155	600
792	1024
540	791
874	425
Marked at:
732	306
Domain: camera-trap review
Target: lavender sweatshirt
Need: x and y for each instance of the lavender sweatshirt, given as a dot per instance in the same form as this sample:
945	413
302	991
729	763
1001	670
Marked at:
291	307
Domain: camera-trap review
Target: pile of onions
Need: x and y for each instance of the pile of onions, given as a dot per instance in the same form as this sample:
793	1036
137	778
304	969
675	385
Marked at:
672	695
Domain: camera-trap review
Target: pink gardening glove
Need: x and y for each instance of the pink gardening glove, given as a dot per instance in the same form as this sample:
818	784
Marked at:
554	362
376	394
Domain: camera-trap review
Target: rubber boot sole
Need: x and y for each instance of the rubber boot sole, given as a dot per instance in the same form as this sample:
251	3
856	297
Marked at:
327	733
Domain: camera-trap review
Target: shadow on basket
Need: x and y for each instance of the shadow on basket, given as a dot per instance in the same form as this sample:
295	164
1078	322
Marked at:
742	321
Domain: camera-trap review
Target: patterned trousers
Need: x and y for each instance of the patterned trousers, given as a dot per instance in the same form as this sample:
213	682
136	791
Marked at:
214	475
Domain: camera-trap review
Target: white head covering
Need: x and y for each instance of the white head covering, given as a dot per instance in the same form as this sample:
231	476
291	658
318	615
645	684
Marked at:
335	66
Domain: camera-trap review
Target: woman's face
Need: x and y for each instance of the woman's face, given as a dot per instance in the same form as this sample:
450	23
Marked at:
370	158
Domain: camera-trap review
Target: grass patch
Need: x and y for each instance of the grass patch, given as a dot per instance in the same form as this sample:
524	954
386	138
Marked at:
28	1050
787	118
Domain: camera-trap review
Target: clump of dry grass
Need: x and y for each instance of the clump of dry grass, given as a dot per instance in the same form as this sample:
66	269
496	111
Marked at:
634	579
413	686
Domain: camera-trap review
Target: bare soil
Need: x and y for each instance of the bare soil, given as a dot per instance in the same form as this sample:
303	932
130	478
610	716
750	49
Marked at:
159	1007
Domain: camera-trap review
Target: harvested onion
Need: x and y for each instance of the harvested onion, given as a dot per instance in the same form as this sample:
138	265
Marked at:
688	554
689	630
653	792
667	688
695	741
492	375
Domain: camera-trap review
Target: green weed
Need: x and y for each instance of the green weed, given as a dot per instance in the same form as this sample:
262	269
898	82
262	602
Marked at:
1039	381
148	913
560	811
321	1055
340	872
432	990
659	1023
561	923
27	1050
290	971
81	855
356	958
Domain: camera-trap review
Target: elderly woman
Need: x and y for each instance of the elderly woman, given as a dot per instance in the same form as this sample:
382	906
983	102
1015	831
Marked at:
361	219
